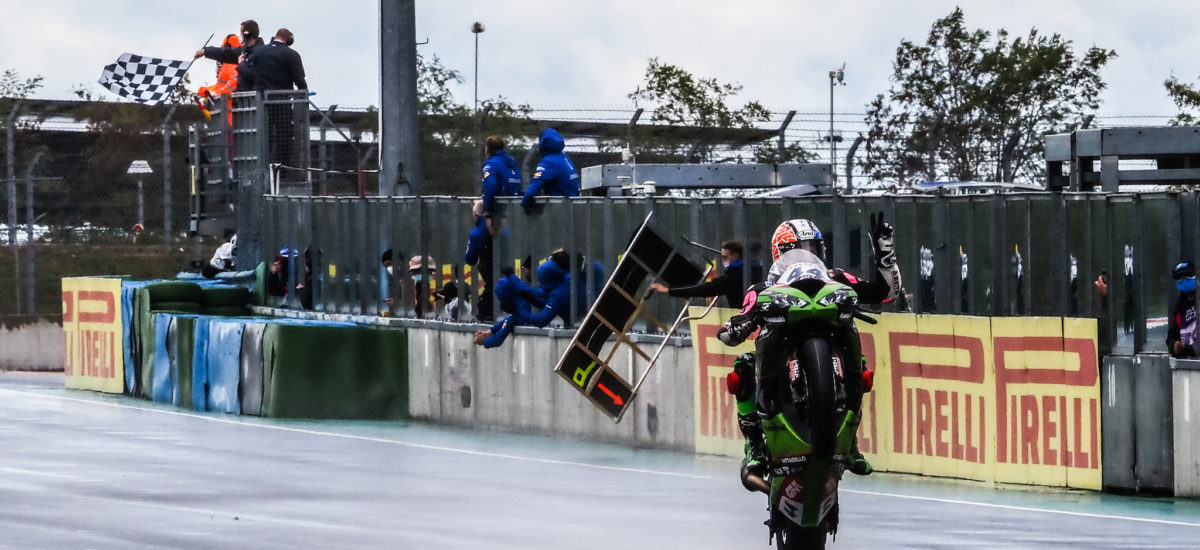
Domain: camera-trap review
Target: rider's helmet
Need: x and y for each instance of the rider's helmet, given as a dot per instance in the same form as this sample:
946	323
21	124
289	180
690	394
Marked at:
798	233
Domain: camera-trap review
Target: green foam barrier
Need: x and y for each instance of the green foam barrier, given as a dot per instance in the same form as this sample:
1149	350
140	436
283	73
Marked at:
175	291
313	371
224	296
181	359
175	307
143	323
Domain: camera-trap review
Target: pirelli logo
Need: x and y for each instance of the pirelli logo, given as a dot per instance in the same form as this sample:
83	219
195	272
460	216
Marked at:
94	334
1014	400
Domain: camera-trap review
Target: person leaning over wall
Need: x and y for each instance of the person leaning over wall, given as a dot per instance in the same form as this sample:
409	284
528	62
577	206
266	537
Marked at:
1181	323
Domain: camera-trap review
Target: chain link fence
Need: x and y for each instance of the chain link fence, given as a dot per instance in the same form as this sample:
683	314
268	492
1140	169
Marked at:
67	181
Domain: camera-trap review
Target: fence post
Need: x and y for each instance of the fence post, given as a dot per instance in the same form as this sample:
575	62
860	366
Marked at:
166	170
12	179
30	277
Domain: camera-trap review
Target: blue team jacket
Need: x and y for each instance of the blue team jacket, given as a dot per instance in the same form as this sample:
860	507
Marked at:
555	174
500	179
555	288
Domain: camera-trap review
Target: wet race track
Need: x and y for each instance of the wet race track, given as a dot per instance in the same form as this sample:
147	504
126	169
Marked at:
85	470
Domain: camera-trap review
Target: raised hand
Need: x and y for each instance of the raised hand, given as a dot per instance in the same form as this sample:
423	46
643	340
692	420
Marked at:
883	241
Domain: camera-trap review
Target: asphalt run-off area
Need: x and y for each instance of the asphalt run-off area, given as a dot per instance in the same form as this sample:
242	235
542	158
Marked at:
87	470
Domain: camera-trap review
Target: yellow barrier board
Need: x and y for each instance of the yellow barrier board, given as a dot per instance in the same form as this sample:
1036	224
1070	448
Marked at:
94	334
1012	400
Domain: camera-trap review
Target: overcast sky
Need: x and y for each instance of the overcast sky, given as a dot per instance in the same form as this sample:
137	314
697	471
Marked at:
591	54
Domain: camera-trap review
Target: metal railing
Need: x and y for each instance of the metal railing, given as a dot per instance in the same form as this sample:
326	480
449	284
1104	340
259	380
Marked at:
1035	254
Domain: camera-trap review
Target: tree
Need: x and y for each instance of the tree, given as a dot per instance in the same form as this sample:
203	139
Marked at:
12	86
679	98
973	105
1186	97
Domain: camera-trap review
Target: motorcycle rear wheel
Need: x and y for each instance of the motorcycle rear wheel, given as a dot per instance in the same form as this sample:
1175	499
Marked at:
795	537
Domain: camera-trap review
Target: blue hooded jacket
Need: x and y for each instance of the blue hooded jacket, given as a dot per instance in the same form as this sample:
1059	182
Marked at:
500	179
508	292
555	288
555	174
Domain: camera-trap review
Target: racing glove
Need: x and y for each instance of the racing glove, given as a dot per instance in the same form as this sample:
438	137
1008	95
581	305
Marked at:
884	243
736	330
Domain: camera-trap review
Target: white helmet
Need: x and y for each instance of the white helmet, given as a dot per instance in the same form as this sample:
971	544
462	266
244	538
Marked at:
798	233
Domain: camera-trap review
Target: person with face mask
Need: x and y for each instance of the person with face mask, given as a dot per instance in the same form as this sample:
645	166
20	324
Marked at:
729	284
422	283
1181	324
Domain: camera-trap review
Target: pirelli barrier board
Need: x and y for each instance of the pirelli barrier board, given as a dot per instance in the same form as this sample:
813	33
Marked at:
94	334
1004	399
586	364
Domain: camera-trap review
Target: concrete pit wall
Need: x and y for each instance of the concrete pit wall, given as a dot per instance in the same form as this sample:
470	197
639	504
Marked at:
514	387
31	343
1185	382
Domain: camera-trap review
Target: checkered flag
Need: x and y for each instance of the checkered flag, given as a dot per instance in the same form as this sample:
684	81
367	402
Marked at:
144	79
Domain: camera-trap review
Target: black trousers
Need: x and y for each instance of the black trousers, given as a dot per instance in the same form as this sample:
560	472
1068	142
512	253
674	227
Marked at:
486	265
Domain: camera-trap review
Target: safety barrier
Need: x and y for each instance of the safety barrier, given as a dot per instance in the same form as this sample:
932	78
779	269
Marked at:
1016	400
162	347
514	387
1185	397
1138	445
30	343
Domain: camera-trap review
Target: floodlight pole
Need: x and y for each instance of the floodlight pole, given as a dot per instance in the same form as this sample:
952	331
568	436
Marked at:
477	29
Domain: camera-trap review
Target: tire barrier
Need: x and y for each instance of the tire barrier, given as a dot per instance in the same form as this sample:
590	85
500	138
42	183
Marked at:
250	364
324	371
195	345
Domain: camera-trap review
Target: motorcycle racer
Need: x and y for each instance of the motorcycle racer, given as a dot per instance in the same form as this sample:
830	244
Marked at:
759	380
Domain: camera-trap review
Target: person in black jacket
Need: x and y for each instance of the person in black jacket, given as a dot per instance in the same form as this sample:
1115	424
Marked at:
729	284
235	55
275	66
1181	324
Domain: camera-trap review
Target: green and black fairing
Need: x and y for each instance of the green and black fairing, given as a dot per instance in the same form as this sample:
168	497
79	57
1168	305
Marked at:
791	457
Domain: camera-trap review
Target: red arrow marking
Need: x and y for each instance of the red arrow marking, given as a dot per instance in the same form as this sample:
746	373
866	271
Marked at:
616	398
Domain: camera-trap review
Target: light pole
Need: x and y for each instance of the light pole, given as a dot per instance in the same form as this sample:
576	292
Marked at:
836	76
139	167
476	29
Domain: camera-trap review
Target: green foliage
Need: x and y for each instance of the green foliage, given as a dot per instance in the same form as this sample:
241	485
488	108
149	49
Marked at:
433	92
980	101
12	86
1186	98
679	98
771	153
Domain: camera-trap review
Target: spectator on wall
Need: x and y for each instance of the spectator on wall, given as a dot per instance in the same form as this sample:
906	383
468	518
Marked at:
555	175
1181	323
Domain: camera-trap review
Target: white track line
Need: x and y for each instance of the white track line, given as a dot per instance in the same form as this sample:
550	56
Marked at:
1020	508
579	464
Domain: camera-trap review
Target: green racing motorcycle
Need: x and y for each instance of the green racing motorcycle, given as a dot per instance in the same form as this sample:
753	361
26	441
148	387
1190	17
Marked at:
806	321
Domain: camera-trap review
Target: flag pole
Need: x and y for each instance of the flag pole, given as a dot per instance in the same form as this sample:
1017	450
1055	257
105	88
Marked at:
210	37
